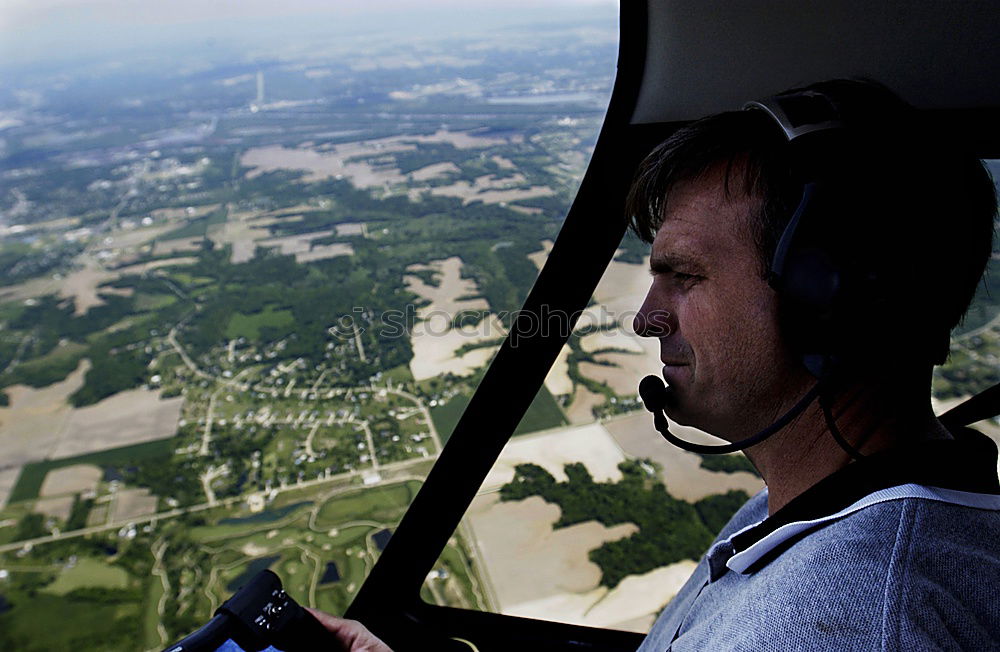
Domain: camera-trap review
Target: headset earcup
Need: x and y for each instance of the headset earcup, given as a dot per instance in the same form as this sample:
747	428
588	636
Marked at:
808	295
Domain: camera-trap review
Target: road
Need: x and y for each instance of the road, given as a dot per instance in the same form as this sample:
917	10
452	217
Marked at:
178	511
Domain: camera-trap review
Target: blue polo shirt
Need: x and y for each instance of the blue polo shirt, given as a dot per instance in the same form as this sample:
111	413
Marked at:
898	551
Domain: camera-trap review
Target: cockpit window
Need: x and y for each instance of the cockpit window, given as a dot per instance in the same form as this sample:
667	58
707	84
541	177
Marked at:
252	267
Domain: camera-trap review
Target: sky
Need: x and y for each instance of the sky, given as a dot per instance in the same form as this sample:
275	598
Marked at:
37	30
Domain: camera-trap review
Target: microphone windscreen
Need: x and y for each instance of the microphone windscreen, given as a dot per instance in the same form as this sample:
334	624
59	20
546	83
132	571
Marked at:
653	393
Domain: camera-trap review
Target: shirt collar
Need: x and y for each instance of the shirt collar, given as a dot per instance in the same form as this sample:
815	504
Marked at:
944	469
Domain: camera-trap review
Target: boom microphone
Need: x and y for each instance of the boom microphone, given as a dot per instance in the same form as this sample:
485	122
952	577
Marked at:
655	396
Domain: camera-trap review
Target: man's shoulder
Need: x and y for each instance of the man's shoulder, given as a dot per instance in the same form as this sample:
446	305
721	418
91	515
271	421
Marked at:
921	571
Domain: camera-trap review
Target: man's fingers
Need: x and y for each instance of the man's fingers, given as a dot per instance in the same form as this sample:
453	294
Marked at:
353	636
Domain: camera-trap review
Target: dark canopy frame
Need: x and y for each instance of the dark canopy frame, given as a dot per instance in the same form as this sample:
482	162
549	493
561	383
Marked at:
677	60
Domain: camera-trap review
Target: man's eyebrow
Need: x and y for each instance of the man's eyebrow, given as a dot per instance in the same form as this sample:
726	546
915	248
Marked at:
665	263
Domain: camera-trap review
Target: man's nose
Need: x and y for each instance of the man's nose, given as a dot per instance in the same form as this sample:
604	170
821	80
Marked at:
651	321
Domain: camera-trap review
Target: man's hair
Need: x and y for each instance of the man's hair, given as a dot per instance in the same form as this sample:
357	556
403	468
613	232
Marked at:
921	213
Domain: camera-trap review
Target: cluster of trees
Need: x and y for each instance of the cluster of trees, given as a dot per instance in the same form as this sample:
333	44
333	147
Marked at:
728	463
669	529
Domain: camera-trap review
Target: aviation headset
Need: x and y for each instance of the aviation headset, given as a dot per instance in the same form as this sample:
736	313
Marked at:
824	300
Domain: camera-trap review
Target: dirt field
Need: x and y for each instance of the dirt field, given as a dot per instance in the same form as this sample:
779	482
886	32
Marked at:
39	424
78	478
334	160
180	245
434	341
351	228
142	268
553	449
81	285
133	503
325	251
189	212
129	238
579	411
57	507
617	339
129	417
533	561
489	190
536	572
622	378
557	381
32	426
434	170
682	473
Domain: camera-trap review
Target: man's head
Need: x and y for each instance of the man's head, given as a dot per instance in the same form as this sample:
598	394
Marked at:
917	214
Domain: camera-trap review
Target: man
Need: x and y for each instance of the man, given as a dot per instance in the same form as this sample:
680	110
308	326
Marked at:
898	549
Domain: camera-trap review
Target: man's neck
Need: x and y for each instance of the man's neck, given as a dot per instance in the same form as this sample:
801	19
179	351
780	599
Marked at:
805	452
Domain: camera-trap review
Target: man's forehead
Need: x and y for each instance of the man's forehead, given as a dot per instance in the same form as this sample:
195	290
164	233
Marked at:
700	220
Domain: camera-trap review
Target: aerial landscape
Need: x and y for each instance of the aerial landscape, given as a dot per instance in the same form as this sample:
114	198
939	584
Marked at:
247	287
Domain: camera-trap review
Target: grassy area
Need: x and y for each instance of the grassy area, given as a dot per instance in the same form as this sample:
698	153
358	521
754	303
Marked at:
543	413
88	572
49	622
400	374
148	302
29	482
383	504
248	326
198	227
150	614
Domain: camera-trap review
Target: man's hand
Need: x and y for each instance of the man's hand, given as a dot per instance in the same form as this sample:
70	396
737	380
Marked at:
353	636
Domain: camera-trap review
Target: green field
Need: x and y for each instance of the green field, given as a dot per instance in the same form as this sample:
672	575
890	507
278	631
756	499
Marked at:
543	413
29	482
248	326
88	572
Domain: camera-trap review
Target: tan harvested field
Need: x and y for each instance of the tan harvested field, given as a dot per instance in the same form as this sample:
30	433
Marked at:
133	503
434	341
79	478
434	170
302	248
538	572
557	381
351	228
489	190
295	244
579	410
539	257
57	507
612	339
130	417
36	287
553	449
623	378
32	426
335	160
82	285
526	559
8	478
503	163
142	268
180	245
189	212
325	251
682	473
242	230
39	424
128	238
633	605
